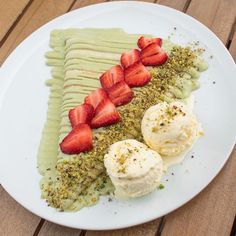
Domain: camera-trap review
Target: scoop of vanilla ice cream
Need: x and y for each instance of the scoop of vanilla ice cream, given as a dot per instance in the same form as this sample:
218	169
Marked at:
134	169
170	129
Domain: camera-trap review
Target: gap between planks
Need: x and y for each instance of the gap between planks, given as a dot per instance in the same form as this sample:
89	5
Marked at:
233	230
231	35
159	224
71	7
38	228
194	9
163	219
186	5
15	23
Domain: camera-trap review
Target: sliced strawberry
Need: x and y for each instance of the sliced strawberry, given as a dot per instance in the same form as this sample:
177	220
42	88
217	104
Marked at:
120	93
112	76
153	55
137	75
95	97
105	114
129	58
80	139
82	114
144	42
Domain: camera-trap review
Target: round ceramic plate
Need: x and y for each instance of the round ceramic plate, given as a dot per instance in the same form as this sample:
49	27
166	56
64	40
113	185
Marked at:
23	99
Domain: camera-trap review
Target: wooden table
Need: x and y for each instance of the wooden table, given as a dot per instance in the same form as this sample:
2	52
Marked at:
212	212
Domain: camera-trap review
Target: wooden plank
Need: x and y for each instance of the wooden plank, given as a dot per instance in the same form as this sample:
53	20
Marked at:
9	13
177	4
218	15
49	228
39	13
84	3
232	48
14	219
148	229
151	1
211	212
224	19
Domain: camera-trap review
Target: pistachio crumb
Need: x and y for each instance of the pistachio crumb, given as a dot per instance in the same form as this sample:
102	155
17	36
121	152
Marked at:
161	186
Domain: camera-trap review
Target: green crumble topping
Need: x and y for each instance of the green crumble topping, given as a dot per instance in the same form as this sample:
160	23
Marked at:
161	186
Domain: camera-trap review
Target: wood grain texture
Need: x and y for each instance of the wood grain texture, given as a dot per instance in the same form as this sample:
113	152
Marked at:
177	4
9	12
49	229
14	219
151	1
39	13
148	229
218	15
211	212
232	48
179	222
84	3
139	230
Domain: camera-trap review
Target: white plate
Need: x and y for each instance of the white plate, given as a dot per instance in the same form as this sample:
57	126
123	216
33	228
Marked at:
23	99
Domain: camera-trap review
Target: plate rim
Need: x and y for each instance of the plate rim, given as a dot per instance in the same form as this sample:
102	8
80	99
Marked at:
4	87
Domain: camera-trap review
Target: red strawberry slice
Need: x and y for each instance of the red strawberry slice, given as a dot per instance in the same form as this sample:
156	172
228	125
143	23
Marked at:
80	139
112	76
129	58
81	114
120	93
137	75
95	97
153	55
144	42
105	114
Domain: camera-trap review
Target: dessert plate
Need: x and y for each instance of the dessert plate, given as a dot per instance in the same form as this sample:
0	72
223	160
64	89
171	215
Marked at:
23	100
